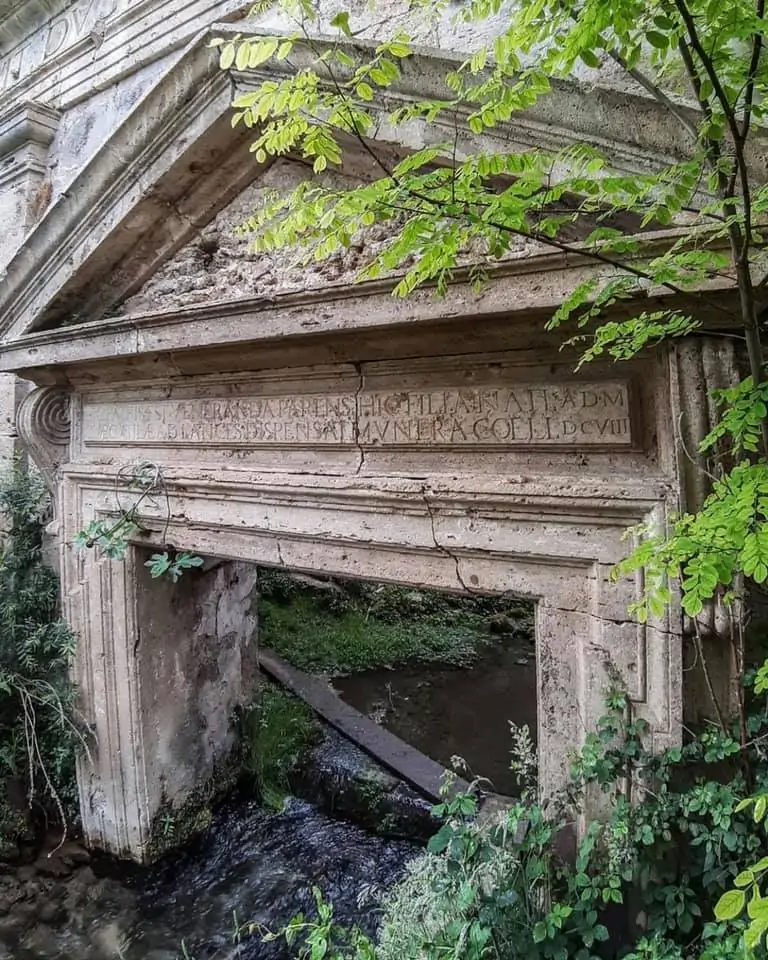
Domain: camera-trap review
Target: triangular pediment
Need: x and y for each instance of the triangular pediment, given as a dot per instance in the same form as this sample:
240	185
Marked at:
218	264
175	165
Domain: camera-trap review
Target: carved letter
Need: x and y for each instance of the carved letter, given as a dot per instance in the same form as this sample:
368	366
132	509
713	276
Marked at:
56	38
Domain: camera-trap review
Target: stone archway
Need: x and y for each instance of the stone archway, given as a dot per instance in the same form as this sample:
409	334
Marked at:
301	467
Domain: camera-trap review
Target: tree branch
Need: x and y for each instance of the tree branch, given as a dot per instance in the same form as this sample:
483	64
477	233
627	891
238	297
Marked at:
749	96
657	93
730	118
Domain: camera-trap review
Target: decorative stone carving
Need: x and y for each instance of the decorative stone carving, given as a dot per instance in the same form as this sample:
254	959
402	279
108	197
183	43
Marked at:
44	425
26	134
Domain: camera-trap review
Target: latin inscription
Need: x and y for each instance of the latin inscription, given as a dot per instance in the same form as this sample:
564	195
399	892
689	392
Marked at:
529	415
81	19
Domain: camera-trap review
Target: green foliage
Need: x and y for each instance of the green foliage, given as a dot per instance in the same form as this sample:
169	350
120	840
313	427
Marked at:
441	202
276	731
705	552
40	732
468	200
747	893
111	537
340	627
317	939
145	484
495	888
172	564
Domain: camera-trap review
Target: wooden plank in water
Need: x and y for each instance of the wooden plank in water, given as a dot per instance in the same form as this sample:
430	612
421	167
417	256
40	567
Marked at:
405	761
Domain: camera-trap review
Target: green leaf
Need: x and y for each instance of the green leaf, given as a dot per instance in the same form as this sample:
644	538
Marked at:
658	40
590	58
341	22
365	91
730	905
745	879
241	59
757	909
227	56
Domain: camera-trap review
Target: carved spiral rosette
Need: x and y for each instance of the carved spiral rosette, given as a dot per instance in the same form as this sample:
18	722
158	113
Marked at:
44	425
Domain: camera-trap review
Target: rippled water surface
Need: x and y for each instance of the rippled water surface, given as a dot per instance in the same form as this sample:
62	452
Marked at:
261	866
250	864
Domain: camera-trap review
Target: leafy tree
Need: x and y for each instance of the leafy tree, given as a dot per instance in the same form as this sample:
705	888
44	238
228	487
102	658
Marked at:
701	61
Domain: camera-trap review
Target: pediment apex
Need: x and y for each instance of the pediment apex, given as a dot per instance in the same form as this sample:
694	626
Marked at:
175	162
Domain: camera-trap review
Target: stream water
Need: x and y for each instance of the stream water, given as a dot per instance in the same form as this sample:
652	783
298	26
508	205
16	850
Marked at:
261	866
250	864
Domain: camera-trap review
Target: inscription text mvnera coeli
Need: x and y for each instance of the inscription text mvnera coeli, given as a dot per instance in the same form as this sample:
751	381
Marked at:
529	415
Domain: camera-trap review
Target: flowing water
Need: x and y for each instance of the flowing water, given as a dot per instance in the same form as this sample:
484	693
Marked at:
250	864
262	866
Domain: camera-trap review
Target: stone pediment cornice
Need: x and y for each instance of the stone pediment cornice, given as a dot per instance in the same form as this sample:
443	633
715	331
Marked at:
314	326
175	161
27	123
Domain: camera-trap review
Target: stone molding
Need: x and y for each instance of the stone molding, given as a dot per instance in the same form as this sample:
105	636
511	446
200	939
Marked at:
44	425
397	530
87	45
28	123
521	287
26	134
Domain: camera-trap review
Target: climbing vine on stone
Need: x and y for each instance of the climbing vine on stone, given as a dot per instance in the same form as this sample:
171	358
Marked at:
144	483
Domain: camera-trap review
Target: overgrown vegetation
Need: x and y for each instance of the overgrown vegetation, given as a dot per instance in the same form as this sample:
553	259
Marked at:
492	889
469	200
336	627
275	733
40	731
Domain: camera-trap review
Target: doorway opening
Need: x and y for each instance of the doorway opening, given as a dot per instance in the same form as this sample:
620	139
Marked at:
445	673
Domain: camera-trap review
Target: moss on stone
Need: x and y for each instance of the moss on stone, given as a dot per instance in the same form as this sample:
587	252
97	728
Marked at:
175	825
276	733
337	627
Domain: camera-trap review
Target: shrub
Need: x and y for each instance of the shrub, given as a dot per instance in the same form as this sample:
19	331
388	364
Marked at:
39	728
676	834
